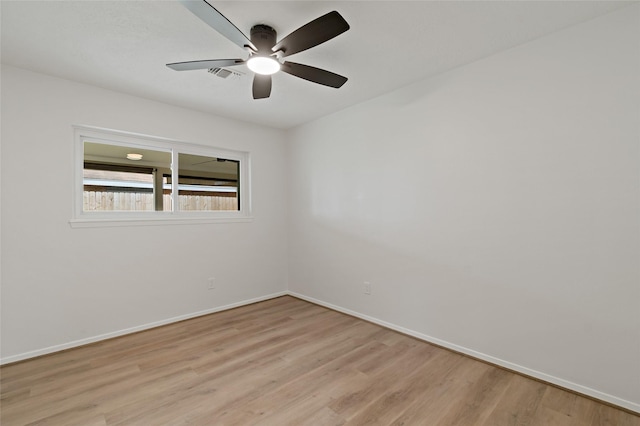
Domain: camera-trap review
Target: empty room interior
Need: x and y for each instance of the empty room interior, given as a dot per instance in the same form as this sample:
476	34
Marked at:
386	212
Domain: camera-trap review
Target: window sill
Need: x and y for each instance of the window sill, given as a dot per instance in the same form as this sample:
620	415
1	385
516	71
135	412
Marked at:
103	222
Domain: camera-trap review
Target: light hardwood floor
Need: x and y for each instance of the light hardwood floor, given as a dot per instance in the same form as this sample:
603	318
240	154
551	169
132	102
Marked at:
281	362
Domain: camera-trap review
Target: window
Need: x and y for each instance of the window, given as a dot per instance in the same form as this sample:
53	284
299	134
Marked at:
113	182
123	178
207	183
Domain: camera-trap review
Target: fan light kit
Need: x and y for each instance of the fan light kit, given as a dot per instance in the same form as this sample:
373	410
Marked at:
265	53
263	65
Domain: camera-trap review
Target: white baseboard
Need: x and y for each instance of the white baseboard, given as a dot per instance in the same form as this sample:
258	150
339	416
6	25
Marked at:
632	406
93	339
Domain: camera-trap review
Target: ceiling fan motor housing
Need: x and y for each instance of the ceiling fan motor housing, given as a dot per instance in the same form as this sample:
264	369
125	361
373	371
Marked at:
263	38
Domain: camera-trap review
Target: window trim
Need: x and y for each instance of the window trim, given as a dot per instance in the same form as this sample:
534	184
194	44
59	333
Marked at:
82	219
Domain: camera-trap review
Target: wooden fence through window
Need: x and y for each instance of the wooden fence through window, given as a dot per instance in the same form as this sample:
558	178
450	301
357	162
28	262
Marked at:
137	201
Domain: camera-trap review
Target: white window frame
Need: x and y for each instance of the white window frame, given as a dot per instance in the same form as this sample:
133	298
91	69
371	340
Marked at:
82	219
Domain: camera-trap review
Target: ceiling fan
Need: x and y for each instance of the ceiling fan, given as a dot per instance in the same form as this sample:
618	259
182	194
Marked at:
265	54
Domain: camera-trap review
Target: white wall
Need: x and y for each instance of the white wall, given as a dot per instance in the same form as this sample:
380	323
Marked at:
494	208
62	285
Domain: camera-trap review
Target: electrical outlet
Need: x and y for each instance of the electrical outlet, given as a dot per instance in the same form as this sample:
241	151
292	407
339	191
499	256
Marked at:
212	283
367	287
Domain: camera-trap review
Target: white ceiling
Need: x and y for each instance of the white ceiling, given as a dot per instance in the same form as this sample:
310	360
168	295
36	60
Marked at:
124	46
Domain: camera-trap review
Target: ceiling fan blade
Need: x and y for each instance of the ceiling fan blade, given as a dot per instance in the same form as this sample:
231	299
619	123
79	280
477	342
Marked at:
316	75
312	34
261	86
216	20
201	65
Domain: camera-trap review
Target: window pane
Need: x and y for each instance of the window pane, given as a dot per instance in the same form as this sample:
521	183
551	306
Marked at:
207	183
116	180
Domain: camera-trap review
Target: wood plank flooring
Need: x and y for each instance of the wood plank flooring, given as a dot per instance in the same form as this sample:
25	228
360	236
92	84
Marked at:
281	362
